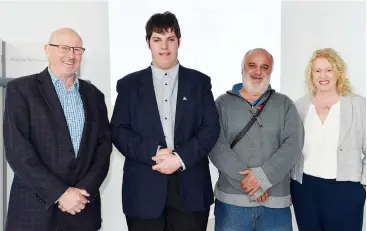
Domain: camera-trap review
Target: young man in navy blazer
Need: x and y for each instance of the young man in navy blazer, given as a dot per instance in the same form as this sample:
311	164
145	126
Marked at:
165	123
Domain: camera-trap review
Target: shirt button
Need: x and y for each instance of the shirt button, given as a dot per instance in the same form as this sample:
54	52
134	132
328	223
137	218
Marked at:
165	100
165	84
165	73
165	118
341	149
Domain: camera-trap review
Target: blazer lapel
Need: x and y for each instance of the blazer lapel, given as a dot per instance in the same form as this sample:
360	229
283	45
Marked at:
88	99
148	102
346	116
49	94
182	95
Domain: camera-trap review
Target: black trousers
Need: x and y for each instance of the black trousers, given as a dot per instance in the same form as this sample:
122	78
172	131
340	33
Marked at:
328	205
174	217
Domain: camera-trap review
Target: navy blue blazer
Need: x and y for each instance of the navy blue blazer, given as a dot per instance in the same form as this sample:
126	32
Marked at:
137	131
39	149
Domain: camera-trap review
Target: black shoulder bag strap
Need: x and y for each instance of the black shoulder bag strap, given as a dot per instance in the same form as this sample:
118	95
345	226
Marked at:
252	121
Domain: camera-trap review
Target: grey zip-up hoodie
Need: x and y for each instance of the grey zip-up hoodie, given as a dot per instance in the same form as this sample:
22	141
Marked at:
270	148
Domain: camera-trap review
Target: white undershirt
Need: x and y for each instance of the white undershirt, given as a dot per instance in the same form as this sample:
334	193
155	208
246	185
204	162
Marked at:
321	143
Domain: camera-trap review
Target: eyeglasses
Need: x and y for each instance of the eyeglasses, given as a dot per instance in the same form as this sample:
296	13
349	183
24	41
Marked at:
66	49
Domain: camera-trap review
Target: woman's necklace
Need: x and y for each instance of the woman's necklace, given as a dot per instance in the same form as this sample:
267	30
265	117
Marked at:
326	108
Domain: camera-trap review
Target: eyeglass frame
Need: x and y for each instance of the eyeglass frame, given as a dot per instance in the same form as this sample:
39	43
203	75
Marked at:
58	48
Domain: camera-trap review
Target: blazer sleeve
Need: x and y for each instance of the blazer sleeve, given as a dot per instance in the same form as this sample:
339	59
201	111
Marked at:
198	147
20	153
125	139
97	172
363	109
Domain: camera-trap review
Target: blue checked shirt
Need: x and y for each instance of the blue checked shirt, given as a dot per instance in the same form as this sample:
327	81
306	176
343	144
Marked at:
72	106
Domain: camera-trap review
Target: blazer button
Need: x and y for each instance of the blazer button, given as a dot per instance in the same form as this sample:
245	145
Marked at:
178	146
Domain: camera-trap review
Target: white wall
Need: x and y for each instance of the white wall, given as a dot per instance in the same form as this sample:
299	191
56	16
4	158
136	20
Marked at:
26	26
307	26
215	37
33	22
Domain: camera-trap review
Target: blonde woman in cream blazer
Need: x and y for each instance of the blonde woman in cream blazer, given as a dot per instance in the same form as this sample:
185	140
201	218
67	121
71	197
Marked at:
328	186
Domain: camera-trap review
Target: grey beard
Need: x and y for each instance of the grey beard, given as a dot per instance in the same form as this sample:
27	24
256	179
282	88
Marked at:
259	90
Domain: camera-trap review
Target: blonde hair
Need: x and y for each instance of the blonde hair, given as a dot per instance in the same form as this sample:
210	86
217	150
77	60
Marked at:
343	86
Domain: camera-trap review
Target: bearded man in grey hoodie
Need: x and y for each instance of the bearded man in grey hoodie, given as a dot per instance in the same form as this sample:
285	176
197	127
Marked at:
253	189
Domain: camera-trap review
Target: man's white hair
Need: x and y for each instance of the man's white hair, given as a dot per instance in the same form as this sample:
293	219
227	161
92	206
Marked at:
252	50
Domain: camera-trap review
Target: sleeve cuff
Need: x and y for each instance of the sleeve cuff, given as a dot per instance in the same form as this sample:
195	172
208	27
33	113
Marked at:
159	147
363	180
183	167
258	194
261	178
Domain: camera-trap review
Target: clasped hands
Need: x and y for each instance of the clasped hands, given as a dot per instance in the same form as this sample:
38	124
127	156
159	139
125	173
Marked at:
166	161
73	200
250	185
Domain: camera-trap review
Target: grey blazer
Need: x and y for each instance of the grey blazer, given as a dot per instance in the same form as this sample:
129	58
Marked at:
352	139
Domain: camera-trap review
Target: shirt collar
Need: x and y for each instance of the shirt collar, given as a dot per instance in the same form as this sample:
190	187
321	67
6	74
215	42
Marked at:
173	72
55	79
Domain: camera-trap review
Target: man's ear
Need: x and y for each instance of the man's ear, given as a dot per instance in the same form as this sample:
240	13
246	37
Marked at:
179	42
148	43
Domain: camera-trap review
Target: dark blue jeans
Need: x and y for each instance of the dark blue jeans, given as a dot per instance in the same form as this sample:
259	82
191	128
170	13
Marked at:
328	205
234	218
